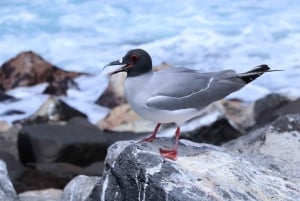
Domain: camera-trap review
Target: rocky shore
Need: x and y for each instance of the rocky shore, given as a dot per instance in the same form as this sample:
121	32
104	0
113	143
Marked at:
233	151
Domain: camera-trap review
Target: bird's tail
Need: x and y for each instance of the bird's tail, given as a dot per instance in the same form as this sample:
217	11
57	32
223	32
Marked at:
251	75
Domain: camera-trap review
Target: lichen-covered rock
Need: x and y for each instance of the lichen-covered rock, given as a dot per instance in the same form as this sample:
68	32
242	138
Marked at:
136	171
7	191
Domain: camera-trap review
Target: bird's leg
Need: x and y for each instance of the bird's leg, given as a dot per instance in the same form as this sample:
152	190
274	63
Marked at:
153	135
172	153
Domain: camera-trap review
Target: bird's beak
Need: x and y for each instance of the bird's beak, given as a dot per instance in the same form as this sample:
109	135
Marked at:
114	67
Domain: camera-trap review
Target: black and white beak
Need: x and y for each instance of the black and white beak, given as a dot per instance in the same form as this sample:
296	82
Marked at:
115	67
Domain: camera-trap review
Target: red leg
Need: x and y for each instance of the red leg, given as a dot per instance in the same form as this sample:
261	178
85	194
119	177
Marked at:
153	135
172	153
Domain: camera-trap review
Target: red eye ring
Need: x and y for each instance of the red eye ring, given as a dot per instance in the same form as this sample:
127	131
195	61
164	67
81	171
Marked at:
134	58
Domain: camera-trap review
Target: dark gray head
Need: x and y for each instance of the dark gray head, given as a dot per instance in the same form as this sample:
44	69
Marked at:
135	62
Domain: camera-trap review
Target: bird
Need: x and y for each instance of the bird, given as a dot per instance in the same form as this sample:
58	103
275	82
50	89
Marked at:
174	95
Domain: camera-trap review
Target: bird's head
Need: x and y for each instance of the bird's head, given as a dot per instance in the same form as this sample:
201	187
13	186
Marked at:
135	62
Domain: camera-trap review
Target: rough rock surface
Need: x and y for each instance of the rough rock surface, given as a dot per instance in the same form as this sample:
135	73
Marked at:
275	147
7	191
136	171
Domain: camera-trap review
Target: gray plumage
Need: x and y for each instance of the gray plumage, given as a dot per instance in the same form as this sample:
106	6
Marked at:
175	94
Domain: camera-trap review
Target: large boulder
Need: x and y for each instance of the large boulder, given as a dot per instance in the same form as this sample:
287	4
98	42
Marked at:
275	147
29	68
7	191
136	171
272	106
75	143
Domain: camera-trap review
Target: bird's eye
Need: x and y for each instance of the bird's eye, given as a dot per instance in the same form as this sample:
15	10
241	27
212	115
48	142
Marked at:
134	58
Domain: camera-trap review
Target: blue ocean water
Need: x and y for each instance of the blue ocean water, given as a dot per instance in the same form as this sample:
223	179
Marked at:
84	35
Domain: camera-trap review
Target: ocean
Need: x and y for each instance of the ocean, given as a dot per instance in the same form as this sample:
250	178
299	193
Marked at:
84	35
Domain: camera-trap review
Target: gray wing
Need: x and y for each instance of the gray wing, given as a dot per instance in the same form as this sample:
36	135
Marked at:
181	88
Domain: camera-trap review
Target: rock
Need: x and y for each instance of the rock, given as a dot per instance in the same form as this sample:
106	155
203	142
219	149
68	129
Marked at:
68	171
15	168
220	122
46	143
8	141
114	94
7	191
35	179
53	175
266	107
123	118
275	147
60	87
136	171
53	110
28	68
4	126
79	188
41	195
217	133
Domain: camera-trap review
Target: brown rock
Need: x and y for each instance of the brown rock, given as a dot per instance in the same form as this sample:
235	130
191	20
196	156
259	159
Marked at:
238	113
120	114
123	118
114	94
28	68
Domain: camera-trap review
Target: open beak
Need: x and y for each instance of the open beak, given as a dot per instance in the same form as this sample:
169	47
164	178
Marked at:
114	67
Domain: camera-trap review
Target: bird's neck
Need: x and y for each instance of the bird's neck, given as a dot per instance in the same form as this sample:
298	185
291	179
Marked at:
136	83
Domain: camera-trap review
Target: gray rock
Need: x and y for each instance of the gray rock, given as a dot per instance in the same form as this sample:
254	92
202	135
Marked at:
136	171
41	195
77	144
79	188
52	110
7	191
266	109
275	147
216	133
15	168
